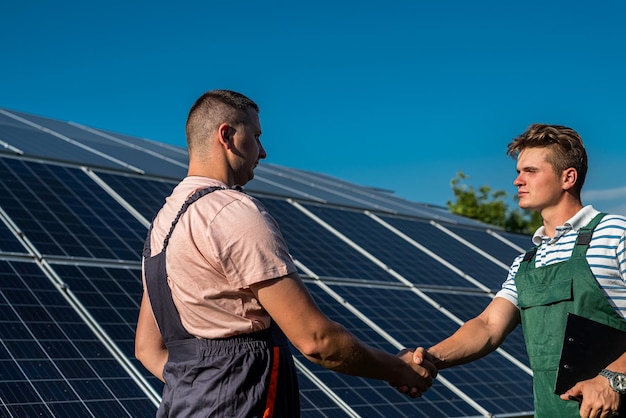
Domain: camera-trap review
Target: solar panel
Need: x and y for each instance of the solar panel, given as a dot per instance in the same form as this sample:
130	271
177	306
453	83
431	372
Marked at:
166	151
51	363
521	241
92	146
412	263
466	305
63	212
314	403
318	248
501	250
146	195
37	143
320	188
452	251
111	294
8	241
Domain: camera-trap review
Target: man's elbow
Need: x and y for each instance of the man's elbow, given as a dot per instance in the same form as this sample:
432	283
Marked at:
143	351
140	352
321	348
311	348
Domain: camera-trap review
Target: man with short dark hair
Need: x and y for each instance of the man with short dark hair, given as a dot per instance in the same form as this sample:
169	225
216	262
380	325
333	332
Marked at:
220	288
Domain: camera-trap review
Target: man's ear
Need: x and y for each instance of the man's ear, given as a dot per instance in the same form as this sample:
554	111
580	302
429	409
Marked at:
570	176
224	132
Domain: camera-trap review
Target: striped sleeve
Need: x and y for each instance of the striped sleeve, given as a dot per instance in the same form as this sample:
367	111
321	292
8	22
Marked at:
508	290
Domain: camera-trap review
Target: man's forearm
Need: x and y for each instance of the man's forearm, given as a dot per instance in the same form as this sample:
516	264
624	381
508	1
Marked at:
470	342
344	353
478	336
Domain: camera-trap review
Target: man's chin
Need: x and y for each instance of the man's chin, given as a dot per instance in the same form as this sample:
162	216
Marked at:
528	207
245	181
523	205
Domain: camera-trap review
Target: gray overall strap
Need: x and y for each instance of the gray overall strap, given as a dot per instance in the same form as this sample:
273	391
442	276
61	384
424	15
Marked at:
585	234
159	292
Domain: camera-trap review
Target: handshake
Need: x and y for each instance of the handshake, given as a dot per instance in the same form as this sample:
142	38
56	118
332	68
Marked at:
414	381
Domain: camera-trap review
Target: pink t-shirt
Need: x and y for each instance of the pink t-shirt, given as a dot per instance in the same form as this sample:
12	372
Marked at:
225	242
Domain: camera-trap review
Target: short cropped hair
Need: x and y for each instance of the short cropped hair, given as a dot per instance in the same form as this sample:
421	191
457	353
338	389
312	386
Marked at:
567	149
211	110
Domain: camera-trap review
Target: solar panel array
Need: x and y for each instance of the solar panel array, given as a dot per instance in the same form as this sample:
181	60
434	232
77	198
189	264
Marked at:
75	205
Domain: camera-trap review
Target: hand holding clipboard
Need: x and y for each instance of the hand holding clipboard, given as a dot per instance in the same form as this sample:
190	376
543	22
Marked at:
588	347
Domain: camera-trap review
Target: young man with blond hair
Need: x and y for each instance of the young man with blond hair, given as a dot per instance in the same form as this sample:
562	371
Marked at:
578	265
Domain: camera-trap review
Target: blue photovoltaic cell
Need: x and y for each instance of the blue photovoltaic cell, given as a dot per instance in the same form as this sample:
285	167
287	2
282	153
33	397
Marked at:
453	251
314	403
494	382
112	296
319	249
412	263
51	364
8	241
145	195
491	245
374	398
63	212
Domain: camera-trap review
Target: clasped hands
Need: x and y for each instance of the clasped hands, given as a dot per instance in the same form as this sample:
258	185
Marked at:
423	365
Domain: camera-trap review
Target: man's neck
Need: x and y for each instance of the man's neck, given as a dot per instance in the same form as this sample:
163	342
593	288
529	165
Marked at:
556	216
212	171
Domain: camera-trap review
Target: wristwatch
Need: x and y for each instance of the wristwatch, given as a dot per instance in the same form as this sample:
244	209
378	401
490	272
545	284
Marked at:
616	380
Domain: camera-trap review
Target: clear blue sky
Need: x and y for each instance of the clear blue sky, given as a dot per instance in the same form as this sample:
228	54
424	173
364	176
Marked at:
394	94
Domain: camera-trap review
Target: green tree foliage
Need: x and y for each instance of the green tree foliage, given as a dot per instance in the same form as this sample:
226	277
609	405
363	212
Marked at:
491	207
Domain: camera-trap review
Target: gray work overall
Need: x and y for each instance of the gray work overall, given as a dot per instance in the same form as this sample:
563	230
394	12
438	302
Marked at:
250	375
546	295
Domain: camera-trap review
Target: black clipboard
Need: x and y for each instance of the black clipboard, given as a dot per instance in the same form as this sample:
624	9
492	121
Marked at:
588	347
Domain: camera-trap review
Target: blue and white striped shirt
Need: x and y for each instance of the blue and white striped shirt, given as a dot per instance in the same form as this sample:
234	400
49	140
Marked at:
606	255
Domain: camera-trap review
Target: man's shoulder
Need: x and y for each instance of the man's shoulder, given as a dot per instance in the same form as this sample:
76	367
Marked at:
610	232
230	204
611	220
614	217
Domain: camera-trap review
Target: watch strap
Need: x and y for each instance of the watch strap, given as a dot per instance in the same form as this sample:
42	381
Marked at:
611	376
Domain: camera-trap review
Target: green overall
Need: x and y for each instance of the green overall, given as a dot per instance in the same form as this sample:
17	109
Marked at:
545	296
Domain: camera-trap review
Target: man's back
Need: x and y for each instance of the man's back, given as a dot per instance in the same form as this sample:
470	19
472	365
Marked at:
222	244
